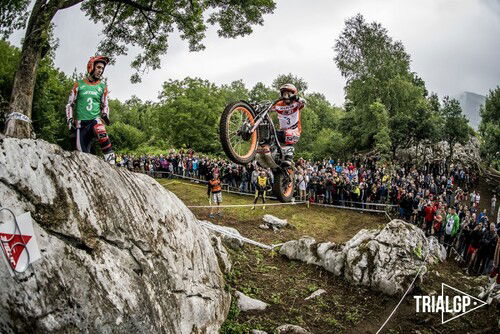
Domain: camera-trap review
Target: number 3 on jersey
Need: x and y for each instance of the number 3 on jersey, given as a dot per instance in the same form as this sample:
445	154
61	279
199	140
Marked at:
89	106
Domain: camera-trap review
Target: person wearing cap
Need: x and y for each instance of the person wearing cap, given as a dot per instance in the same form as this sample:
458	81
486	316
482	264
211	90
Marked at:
87	110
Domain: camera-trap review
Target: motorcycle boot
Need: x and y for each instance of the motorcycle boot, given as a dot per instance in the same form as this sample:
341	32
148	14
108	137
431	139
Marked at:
288	156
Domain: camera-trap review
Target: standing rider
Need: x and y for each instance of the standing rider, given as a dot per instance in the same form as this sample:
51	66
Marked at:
89	98
288	110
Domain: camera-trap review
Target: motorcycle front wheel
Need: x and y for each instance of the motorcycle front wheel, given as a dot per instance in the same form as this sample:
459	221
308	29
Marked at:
239	145
284	184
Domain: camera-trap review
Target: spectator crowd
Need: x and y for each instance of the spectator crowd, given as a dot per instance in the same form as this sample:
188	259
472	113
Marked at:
440	198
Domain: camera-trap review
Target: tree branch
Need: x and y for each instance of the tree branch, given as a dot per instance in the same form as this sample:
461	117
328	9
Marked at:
151	31
114	17
70	3
137	6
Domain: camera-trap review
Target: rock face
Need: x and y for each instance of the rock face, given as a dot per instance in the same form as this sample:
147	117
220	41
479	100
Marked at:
385	260
468	153
119	252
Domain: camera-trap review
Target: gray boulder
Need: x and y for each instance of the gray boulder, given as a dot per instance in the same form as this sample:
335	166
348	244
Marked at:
385	260
274	222
120	253
246	303
291	329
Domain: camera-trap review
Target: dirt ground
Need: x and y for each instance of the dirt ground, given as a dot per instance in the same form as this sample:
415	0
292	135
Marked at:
344	308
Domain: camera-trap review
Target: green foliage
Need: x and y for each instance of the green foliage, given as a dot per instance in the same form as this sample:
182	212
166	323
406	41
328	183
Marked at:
231	325
290	78
189	113
456	125
13	16
490	128
381	133
50	96
261	92
148	25
365	50
125	136
377	71
9	57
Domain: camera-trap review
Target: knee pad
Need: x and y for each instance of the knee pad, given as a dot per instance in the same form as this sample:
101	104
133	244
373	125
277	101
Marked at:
102	137
291	136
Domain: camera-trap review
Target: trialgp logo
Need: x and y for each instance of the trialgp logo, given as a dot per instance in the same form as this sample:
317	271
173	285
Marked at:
452	303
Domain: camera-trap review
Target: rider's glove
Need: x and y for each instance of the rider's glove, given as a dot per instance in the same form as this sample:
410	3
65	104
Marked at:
105	118
71	124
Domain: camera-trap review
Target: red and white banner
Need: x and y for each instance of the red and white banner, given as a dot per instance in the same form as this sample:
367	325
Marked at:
18	242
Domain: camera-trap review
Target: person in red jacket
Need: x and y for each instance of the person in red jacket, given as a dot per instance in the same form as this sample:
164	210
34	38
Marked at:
429	212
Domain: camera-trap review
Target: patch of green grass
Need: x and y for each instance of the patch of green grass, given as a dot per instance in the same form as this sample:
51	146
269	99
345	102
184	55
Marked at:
312	287
353	315
276	298
232	325
320	222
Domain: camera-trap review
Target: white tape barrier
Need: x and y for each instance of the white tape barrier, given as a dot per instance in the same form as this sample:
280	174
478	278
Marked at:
236	236
348	208
272	197
407	290
222	184
244	205
372	203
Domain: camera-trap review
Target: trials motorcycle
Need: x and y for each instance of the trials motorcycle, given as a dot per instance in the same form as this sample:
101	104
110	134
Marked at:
247	133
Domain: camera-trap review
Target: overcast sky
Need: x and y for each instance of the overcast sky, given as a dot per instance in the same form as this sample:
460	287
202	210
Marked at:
454	46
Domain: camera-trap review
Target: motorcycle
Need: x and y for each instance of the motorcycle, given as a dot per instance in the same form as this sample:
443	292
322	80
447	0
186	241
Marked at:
247	133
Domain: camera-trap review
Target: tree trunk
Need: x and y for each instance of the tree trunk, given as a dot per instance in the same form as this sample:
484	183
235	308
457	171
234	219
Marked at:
451	152
35	41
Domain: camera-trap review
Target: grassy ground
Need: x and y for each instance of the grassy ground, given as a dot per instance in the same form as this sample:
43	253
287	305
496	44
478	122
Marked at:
345	308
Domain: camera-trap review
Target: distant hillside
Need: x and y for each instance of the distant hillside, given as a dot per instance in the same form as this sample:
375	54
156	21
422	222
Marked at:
470	103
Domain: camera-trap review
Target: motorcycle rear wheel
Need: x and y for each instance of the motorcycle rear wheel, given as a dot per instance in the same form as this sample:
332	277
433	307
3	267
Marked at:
284	185
239	149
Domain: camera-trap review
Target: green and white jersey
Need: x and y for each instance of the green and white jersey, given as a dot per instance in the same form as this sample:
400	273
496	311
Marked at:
89	100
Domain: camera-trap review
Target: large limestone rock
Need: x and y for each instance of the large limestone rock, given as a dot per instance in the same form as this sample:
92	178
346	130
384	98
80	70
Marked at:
465	154
121	254
385	260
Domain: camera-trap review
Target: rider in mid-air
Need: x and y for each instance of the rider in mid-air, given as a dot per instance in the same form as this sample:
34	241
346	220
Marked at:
288	110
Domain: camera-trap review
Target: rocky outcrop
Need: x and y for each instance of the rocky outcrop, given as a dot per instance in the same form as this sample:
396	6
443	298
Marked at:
385	260
465	154
119	252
